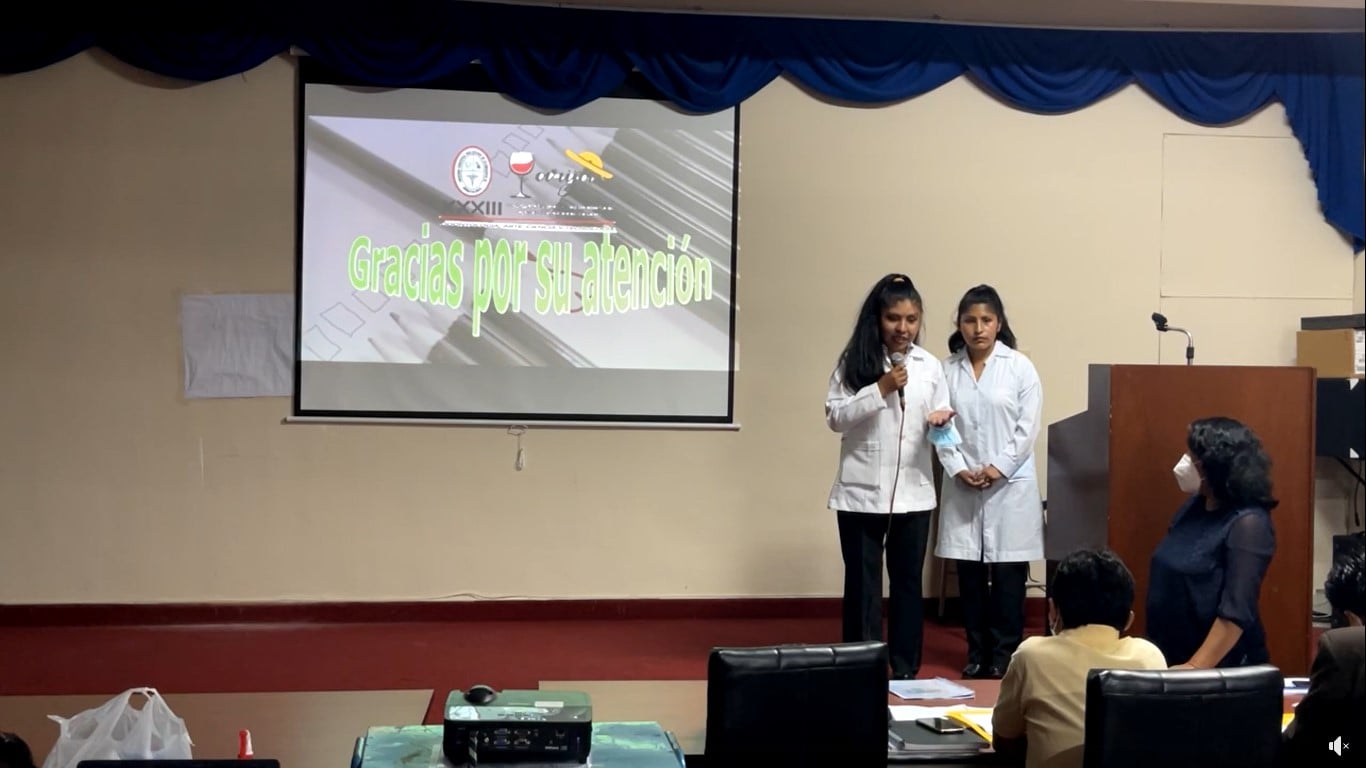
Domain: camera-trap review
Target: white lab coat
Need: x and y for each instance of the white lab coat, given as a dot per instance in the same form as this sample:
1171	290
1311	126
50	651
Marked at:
885	463
999	418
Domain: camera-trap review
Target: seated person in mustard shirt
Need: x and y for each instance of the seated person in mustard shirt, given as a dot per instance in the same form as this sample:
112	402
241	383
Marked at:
1040	718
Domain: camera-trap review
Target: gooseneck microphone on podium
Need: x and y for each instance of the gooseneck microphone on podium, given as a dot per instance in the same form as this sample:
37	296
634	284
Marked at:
1160	320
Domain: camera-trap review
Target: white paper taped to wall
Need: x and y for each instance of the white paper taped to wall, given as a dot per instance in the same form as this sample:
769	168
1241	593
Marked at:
238	345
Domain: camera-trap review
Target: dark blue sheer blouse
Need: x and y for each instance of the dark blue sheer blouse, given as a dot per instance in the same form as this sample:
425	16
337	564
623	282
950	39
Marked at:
1210	565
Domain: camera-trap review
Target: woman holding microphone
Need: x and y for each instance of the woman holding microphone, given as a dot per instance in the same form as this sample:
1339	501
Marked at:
885	393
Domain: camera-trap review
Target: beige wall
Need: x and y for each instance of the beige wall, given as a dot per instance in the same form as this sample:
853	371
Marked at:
121	192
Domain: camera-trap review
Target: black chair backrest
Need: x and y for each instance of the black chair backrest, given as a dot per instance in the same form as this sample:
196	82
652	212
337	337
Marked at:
1173	718
816	705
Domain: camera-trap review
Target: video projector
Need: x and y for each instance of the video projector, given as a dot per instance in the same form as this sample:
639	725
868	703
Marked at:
482	725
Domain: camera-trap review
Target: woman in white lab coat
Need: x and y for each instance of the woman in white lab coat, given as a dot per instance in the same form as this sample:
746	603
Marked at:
991	520
884	392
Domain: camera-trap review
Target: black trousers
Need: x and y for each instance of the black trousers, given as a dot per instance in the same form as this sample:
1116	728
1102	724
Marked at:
863	538
993	597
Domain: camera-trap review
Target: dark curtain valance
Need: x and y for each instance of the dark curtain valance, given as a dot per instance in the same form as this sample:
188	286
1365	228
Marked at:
559	59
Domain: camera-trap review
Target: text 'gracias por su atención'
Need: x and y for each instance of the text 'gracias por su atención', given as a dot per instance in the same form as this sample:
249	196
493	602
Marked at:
615	279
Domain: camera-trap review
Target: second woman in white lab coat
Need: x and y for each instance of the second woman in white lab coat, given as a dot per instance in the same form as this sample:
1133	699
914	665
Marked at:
885	393
991	517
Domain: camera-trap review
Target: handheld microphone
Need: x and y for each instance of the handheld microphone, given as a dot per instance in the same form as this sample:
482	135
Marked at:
1160	322
899	358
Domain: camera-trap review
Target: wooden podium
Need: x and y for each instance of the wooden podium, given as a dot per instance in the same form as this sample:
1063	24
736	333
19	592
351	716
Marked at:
1110	480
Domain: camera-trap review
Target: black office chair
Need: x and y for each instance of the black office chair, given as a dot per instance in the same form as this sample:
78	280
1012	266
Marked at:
797	705
1208	718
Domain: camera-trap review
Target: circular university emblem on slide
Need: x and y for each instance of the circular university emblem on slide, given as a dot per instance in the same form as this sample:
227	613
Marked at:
471	171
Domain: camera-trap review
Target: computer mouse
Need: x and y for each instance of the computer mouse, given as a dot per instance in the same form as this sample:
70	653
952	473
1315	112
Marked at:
480	694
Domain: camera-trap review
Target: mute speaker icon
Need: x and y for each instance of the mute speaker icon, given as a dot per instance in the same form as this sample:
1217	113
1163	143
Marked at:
1336	746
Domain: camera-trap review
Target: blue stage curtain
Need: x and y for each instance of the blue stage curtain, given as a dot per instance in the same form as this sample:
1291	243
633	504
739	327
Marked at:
1324	104
1040	70
27	49
558	59
868	62
395	44
208	55
701	63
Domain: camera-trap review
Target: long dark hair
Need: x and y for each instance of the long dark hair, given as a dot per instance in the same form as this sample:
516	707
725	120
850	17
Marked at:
982	294
863	355
1236	468
14	752
1345	587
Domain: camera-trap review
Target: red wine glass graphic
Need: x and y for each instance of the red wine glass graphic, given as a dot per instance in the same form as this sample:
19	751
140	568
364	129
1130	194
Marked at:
521	164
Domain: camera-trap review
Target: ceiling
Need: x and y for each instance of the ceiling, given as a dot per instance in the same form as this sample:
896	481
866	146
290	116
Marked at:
1127	14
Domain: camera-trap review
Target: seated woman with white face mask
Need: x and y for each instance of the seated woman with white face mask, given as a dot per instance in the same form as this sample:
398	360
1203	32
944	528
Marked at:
1206	574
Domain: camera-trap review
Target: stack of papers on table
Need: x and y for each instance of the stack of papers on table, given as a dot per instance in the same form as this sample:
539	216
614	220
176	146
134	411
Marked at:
933	688
1296	684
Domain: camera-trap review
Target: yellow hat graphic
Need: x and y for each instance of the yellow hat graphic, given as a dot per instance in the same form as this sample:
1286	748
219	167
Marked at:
589	160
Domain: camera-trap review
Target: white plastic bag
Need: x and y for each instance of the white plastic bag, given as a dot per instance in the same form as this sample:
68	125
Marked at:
117	730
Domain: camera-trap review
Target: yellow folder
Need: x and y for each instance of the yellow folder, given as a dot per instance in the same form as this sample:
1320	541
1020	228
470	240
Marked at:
978	719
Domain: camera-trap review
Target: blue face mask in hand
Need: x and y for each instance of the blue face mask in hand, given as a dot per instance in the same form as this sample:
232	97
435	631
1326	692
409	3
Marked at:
945	436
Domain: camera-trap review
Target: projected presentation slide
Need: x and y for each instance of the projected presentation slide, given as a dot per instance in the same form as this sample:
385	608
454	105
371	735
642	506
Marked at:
463	256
